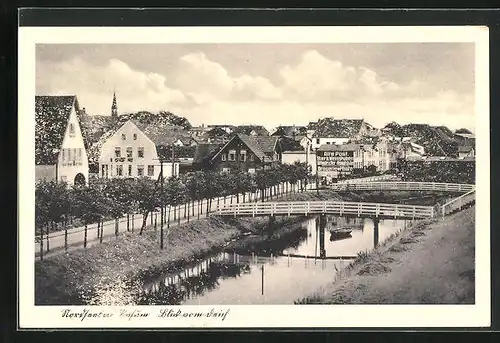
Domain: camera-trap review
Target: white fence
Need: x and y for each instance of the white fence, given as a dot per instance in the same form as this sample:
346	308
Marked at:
372	179
458	203
323	207
403	186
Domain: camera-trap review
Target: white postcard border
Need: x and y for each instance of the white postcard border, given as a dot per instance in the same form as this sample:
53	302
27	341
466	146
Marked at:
31	316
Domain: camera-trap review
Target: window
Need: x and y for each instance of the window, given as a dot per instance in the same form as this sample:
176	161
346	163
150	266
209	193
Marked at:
79	159
124	137
151	170
243	155
71	130
223	157
129	170
140	151
129	152
69	155
232	155
250	157
63	155
140	170
119	170
317	140
135	136
118	152
103	170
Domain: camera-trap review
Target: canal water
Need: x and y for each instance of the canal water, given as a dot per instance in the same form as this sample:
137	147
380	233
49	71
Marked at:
279	273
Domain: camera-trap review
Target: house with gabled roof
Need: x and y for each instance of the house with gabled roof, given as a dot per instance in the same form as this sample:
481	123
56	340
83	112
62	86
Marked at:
135	149
247	153
60	149
339	131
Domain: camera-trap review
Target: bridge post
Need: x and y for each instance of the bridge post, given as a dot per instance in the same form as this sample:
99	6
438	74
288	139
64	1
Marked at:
322	226
375	232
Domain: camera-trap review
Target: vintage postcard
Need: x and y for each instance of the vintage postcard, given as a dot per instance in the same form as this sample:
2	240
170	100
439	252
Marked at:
238	177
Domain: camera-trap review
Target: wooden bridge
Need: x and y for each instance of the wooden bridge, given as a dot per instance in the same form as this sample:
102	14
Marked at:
341	208
360	209
403	186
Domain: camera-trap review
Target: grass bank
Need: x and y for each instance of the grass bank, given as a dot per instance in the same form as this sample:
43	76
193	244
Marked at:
68	278
429	263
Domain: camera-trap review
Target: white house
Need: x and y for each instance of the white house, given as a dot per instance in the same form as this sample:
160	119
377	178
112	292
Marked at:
60	152
136	150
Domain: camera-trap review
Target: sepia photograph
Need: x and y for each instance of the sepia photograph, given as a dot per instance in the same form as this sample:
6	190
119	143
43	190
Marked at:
226	173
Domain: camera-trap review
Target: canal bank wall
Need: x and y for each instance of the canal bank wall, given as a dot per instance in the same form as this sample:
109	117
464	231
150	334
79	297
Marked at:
70	278
431	262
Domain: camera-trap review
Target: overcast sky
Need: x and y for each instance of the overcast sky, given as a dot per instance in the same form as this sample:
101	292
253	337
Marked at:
268	84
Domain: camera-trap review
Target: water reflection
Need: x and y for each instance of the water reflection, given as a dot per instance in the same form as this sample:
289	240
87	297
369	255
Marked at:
255	271
175	289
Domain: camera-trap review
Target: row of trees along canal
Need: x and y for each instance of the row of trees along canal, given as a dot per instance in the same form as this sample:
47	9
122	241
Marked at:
59	206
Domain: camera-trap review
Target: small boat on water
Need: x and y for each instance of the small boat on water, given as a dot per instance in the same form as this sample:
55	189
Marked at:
341	232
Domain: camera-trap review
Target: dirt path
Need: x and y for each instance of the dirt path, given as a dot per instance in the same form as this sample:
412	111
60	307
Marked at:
428	264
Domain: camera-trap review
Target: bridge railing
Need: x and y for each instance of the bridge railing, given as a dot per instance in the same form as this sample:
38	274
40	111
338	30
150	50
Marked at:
371	179
331	207
458	203
402	186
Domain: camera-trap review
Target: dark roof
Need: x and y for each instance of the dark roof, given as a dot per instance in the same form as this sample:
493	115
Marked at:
289	131
51	119
162	135
290	144
252	144
340	147
267	143
261	146
338	128
205	151
312	125
247	129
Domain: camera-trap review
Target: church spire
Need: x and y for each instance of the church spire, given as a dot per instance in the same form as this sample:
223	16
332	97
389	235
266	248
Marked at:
114	107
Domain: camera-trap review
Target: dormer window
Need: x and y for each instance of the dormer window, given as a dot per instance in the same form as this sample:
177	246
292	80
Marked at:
71	130
124	137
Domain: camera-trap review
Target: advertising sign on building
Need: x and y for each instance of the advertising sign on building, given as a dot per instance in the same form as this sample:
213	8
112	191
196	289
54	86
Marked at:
335	163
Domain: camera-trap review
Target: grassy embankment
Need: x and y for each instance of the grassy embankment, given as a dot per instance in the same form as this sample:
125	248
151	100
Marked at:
431	262
65	277
62	278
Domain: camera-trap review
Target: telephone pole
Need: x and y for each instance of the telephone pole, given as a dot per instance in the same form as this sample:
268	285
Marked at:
173	159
